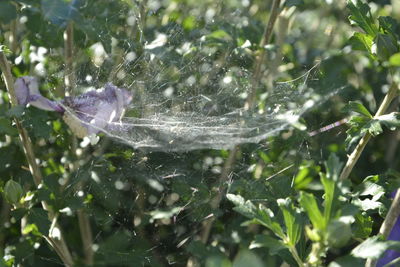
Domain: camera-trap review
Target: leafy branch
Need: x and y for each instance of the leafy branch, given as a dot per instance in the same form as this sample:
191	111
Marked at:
57	242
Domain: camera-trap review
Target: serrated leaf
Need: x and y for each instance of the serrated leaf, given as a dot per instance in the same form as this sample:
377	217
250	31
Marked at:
267	218
388	25
361	16
386	46
391	120
246	208
367	204
361	42
357	107
373	248
363	226
373	127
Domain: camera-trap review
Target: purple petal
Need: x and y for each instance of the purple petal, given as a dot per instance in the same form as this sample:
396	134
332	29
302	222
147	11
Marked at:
27	92
96	110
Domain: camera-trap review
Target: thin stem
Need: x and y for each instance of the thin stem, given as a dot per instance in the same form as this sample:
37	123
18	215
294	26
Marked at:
58	244
266	39
355	155
86	235
296	256
215	203
70	83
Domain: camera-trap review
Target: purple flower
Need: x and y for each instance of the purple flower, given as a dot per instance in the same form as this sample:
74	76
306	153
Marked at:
390	255
86	114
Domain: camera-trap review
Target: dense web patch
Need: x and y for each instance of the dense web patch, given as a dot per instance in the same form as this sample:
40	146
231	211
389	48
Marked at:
187	99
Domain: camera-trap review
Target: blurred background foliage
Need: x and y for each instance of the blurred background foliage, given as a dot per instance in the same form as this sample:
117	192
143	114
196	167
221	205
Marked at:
146	208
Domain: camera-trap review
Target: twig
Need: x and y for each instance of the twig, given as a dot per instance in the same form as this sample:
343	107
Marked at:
355	155
70	84
59	245
387	225
266	39
207	225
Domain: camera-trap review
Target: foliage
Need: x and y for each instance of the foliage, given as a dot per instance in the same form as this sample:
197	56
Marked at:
282	200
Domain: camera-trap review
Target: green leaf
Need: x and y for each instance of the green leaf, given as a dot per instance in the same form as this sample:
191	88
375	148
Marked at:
35	121
361	16
59	12
361	42
13	192
388	25
8	12
394	60
363	226
16	111
374	248
357	107
386	46
267	218
391	120
346	261
309	203
292	224
217	261
39	217
6	128
246	258
266	241
333	168
329	188
373	127
338	233
246	208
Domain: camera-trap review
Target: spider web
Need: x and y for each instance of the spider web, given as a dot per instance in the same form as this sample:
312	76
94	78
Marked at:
189	91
